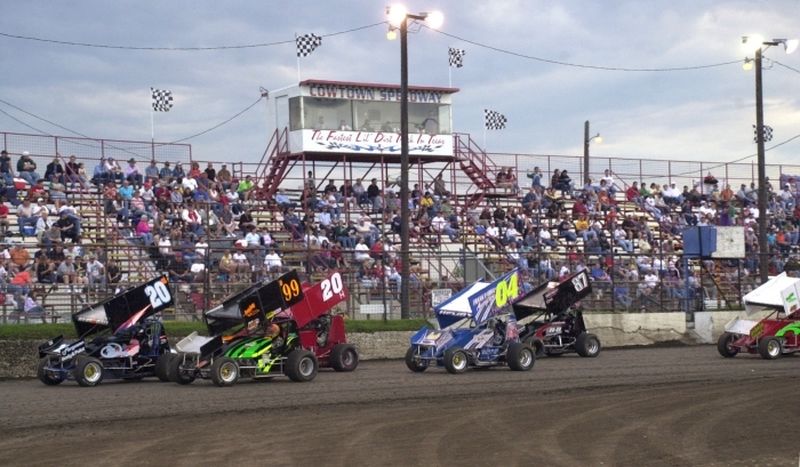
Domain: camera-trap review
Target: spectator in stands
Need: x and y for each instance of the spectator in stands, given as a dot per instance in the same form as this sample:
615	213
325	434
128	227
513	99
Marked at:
66	273
632	193
151	172
143	231
608	178
373	191
95	272
273	262
242	265
6	171
25	218
113	169
564	183
621	238
100	175
20	284
536	178
68	227
26	168
54	170
45	270
178	172
245	188
178	269
439	187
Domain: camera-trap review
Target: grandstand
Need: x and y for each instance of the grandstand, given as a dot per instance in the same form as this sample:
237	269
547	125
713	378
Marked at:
317	207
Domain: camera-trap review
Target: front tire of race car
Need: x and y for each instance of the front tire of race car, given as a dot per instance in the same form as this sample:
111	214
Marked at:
162	366
587	345
455	360
520	357
770	348
724	346
176	371
46	376
88	371
224	372
413	363
344	357
301	365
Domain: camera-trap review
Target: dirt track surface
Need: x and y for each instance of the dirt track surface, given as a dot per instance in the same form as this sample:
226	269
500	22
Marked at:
655	406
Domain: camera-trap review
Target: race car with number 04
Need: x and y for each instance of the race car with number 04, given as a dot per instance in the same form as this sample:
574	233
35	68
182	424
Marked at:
129	341
247	339
475	330
548	323
776	334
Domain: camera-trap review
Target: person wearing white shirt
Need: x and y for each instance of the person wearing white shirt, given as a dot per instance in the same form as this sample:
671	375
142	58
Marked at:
190	183
361	252
272	262
201	247
438	223
165	246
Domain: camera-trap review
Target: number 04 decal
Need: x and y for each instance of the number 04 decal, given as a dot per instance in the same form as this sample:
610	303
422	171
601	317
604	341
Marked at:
158	293
331	286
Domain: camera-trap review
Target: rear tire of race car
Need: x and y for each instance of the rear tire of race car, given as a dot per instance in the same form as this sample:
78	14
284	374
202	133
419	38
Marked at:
162	367
537	345
176	373
587	345
520	357
301	365
770	348
88	371
224	372
413	363
724	345
344	357
48	377
455	360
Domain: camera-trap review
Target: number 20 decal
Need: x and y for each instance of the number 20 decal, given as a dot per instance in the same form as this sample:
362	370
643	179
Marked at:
331	286
158	293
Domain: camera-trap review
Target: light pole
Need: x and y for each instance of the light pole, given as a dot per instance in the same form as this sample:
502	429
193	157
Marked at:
757	44
398	19
586	141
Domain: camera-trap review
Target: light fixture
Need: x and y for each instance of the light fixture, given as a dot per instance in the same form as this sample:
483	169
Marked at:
391	34
396	13
748	64
434	19
752	42
598	139
790	45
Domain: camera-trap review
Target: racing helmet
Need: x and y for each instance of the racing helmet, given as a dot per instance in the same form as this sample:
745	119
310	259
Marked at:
273	330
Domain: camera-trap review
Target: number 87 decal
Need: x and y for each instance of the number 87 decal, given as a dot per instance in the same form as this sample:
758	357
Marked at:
331	286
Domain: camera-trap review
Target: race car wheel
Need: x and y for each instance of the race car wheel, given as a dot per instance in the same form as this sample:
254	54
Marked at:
344	357
455	360
520	357
537	345
587	345
176	371
224	372
770	348
88	371
46	376
162	366
301	365
413	363
724	346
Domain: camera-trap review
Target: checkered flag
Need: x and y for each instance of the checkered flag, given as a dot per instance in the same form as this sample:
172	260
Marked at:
162	99
457	57
307	43
494	120
766	133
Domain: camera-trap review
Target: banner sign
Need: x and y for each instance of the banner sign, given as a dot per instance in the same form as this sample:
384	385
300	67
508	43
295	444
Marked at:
366	93
369	142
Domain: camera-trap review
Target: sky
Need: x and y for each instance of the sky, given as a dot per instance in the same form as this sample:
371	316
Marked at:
693	115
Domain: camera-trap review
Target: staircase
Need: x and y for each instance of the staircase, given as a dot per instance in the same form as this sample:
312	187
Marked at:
274	162
475	163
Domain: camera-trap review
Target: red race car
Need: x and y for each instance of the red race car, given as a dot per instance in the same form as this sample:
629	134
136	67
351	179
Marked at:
776	334
321	331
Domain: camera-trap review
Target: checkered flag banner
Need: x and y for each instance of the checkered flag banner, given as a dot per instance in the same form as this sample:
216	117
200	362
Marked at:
307	43
766	133
162	99
494	120
457	57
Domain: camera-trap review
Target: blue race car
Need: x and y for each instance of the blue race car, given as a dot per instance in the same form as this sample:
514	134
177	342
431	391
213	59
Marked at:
475	330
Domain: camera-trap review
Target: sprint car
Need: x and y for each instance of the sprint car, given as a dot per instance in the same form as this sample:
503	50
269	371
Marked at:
548	322
321	331
119	338
777	333
247	338
475	331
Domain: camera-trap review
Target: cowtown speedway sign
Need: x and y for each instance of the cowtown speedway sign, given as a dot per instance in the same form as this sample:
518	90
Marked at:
369	93
375	142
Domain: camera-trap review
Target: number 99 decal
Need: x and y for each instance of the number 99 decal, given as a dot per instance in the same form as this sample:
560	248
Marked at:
289	290
158	293
331	286
506	290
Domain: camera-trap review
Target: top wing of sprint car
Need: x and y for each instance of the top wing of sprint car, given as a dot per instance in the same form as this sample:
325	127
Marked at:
317	300
552	298
119	312
244	313
780	294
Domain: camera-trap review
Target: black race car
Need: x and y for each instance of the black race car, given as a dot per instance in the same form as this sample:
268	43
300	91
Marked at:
119	338
550	324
